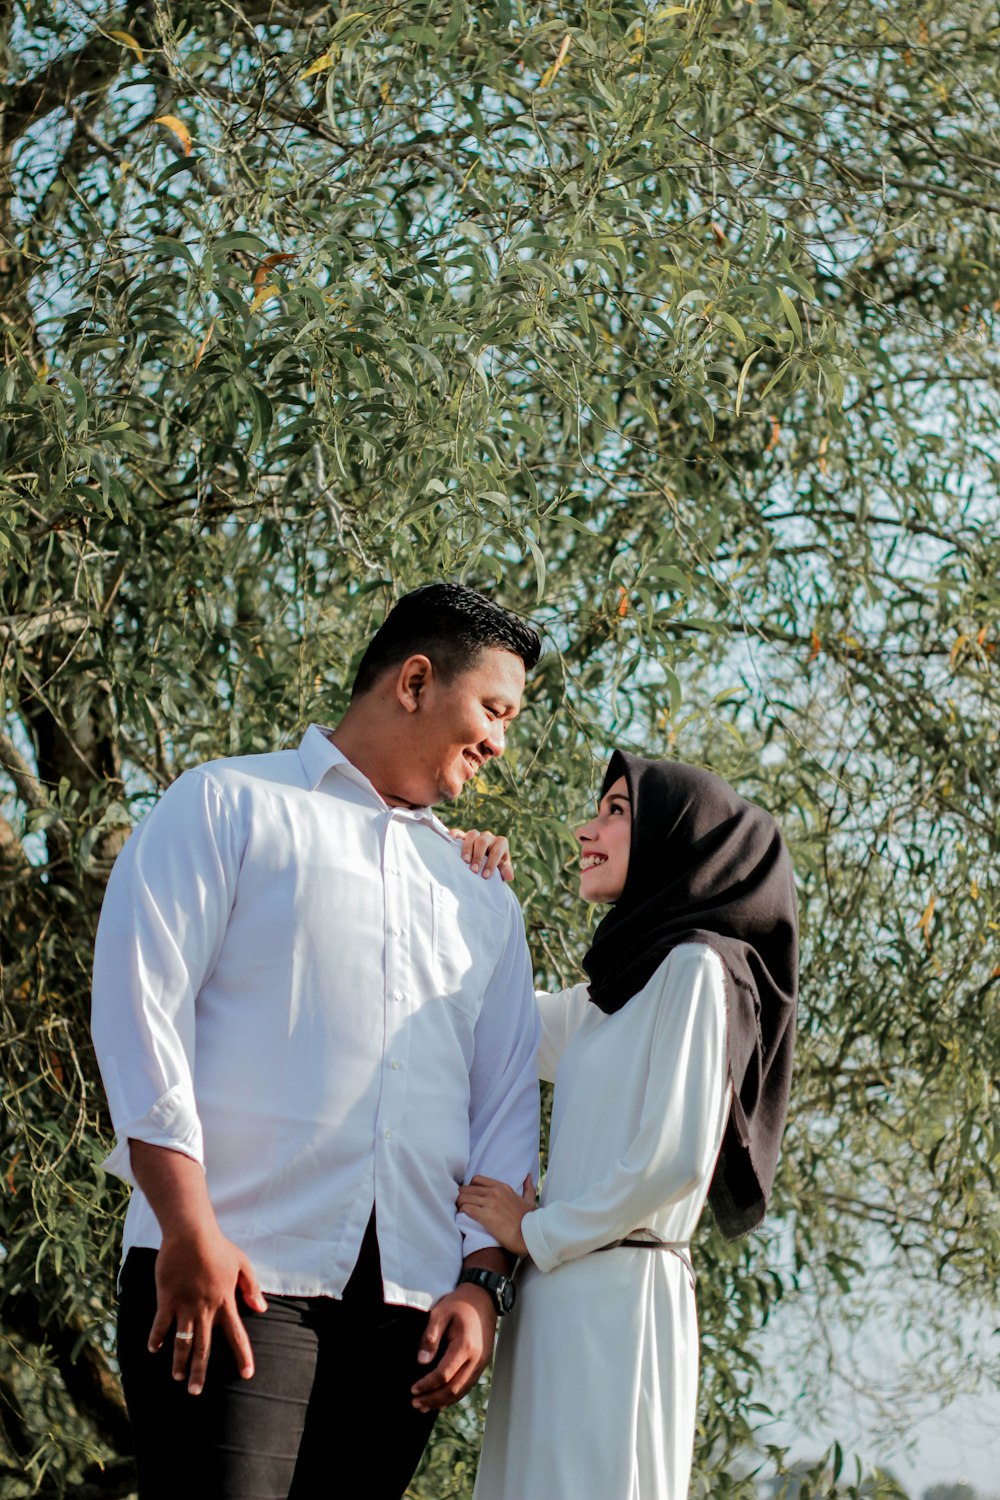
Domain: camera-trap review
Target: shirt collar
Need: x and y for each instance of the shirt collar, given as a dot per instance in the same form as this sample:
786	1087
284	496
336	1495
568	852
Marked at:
319	755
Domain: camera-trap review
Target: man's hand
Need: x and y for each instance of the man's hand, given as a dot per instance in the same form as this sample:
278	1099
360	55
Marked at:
463	1322
197	1280
198	1271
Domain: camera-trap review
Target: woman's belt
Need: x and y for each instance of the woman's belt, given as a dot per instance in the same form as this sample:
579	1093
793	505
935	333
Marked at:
645	1239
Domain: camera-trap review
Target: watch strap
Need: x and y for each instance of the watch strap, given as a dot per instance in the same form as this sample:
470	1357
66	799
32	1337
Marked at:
499	1286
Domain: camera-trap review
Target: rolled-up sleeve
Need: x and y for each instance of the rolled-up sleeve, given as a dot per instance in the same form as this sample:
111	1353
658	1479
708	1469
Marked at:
504	1109
161	929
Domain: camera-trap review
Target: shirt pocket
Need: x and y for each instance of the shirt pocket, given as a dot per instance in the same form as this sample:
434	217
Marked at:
465	943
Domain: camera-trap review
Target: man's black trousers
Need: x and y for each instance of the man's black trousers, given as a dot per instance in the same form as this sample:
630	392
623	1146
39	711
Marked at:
330	1376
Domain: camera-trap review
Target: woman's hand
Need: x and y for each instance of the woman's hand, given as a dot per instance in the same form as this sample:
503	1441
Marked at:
486	852
499	1209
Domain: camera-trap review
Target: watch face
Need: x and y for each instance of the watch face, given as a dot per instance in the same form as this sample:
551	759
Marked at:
500	1288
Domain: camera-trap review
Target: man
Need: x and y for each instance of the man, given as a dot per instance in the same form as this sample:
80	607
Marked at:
314	1023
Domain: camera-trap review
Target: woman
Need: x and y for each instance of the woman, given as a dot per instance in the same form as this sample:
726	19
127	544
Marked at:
671	1075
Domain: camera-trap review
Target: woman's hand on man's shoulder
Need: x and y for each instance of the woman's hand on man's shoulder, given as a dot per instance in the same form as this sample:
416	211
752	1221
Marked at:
485	852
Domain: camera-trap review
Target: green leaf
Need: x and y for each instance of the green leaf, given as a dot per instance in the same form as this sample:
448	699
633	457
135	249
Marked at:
226	244
456	21
169	246
538	558
730	322
744	372
788	308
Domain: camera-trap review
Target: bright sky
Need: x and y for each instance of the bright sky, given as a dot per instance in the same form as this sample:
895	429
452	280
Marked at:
874	1382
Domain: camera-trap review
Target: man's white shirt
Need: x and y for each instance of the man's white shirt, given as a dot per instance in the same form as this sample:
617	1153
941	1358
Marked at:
309	993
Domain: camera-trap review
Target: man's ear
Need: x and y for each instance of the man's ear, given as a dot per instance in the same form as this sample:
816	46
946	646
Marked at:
413	678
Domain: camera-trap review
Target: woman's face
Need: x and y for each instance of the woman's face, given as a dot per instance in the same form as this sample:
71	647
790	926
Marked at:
604	846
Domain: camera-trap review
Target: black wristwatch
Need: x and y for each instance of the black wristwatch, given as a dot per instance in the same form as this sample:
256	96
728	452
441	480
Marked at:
500	1287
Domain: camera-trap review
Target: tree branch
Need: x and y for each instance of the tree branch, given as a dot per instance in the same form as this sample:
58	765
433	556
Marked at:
65	79
81	1362
29	788
112	1481
12	1421
13	860
853	173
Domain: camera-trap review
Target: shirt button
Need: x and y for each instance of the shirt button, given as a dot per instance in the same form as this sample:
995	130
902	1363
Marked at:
396	931
396	1064
397	994
387	1134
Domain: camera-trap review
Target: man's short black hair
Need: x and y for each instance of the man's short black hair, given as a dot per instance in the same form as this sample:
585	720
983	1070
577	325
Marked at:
450	625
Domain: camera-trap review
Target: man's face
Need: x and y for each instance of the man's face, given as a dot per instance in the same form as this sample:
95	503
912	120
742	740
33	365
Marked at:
459	725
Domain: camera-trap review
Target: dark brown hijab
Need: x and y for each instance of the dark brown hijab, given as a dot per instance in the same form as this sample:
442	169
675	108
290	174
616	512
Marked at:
705	866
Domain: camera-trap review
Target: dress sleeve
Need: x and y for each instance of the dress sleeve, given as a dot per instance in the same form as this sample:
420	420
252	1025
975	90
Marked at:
561	1013
680	1123
503	1083
162	925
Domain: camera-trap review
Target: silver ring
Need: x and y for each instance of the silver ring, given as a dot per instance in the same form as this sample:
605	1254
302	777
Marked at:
183	1338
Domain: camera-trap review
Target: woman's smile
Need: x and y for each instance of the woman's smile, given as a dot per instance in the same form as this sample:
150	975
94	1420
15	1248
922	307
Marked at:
603	870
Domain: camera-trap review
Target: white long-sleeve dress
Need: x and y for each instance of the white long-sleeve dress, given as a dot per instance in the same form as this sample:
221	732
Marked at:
595	1380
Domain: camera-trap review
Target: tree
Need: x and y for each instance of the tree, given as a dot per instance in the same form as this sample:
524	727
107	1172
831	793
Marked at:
804	1480
671	324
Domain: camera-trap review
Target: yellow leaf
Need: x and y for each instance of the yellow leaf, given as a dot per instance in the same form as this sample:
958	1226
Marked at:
128	41
125	167
320	65
622	602
177	128
264	295
775	434
204	344
561	55
815	645
956	650
974	890
383	89
671	10
925	921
